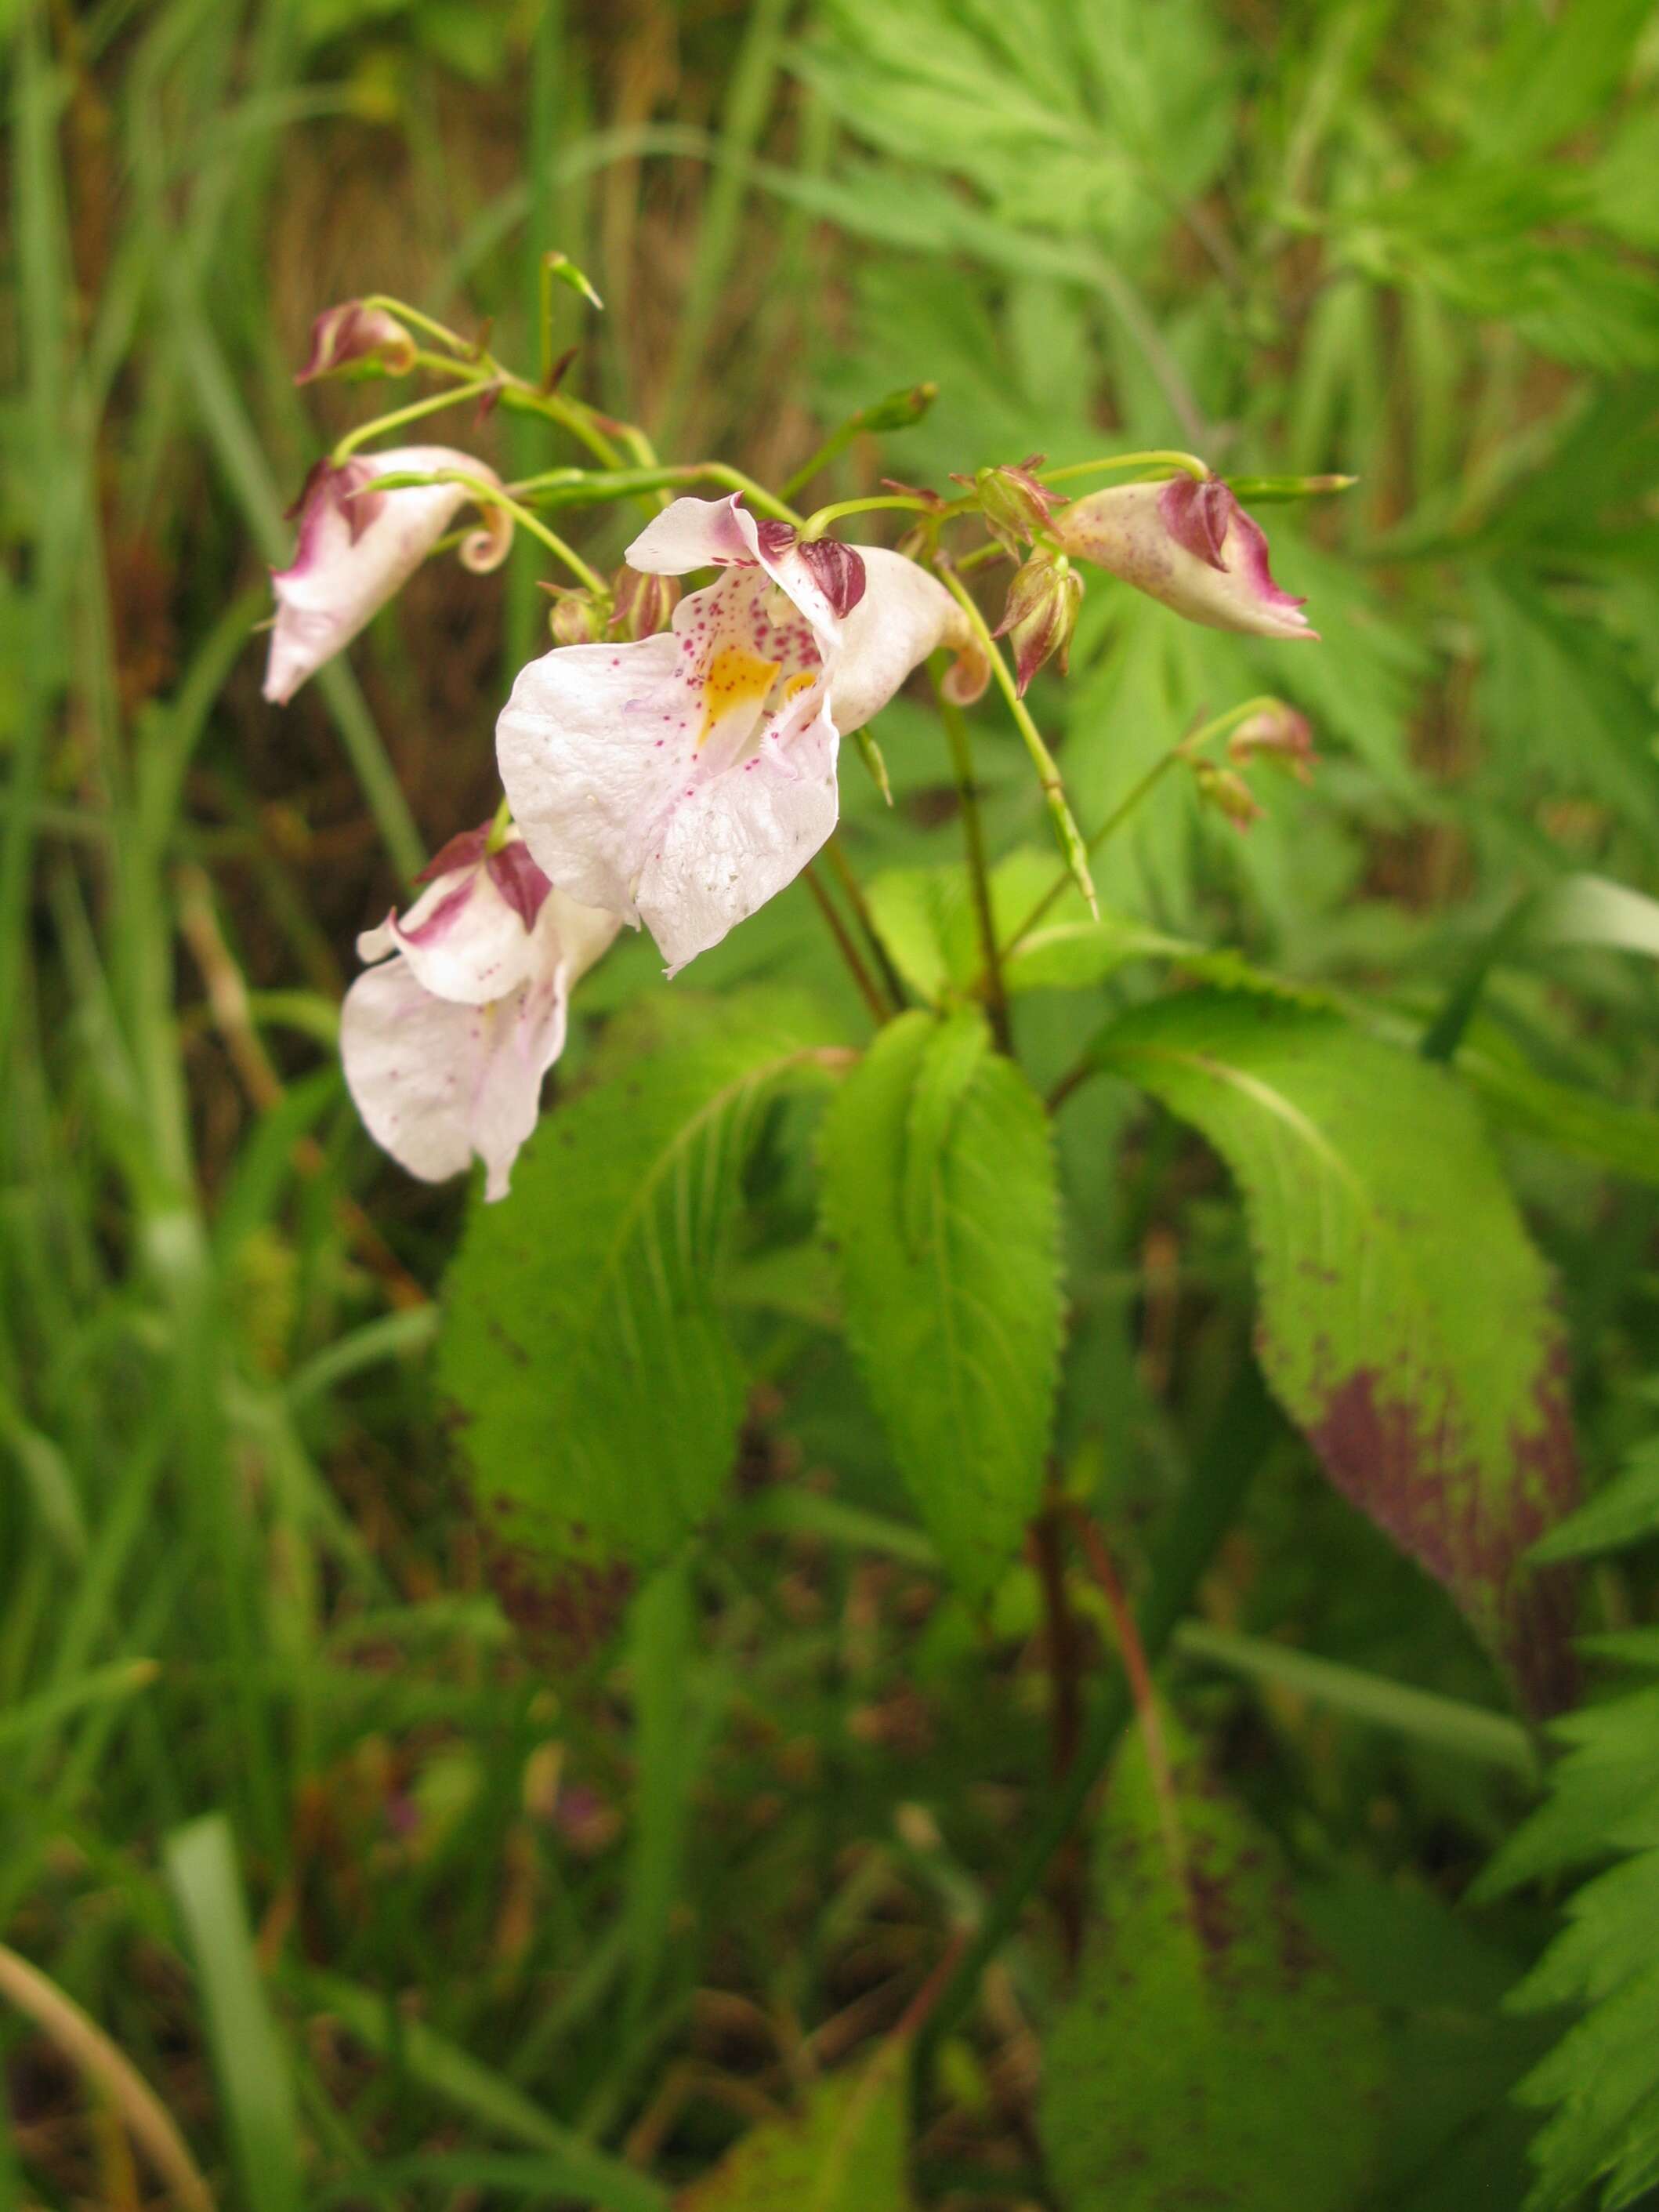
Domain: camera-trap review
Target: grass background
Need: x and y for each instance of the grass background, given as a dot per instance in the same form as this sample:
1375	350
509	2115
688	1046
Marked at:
556	1938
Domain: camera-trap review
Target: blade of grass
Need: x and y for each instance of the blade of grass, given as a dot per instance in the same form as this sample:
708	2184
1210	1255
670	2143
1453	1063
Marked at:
89	2050
494	2103
248	2059
1447	1725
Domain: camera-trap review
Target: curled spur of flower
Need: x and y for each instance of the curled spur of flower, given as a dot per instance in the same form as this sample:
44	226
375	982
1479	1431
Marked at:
355	336
446	1040
358	546
1189	544
682	780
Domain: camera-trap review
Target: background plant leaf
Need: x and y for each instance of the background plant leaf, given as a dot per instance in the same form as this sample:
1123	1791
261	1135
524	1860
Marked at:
939	1194
845	2151
1212	2053
1406	1320
583	1340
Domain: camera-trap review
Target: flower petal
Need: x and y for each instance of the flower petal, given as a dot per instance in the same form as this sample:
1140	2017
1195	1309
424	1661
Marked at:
339	577
436	1081
1127	529
464	938
683	779
701	533
904	615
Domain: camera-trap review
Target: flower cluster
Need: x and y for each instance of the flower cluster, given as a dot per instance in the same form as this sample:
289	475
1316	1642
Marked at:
672	761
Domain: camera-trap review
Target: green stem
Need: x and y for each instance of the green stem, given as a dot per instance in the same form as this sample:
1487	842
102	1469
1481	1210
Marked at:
973	832
501	826
989	552
1158	458
569	414
582	486
854	893
493	495
880	1013
816	525
412	413
418	321
1214	1490
1067	833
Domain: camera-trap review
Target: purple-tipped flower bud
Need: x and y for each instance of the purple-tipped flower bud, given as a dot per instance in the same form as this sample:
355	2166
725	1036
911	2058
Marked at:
641	606
365	340
1279	734
1227	793
1016	507
1189	544
575	617
1041	615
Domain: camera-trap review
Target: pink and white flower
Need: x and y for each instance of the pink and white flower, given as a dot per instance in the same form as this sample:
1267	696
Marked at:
1189	544
358	547
355	335
446	1042
683	779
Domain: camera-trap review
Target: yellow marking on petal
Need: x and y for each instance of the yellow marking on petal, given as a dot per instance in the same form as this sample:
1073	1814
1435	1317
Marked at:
735	678
802	680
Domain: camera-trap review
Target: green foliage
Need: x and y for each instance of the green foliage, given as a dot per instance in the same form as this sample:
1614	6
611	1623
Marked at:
1601	2082
584	1340
844	2151
929	922
1212	2052
556	1914
1406	1322
938	1196
247	2052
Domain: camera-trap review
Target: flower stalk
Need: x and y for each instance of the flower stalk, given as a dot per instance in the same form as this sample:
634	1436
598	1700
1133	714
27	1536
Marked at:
1067	833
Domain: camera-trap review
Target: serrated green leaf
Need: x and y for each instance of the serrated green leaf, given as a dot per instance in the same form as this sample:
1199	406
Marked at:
1626	1512
1212	2054
1406	1320
938	1192
844	2152
583	1339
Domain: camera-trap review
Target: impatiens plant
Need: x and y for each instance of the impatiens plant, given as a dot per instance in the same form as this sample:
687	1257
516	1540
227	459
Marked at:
880	1164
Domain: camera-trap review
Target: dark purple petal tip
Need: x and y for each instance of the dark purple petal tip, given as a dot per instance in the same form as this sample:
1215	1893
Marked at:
518	880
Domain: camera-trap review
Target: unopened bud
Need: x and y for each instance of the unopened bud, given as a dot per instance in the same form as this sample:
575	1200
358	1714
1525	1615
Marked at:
1277	733
574	617
899	409
1227	793
641	606
1041	613
366	341
1016	507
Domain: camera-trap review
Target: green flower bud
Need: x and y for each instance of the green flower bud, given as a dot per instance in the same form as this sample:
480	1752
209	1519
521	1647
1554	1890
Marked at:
1227	792
1016	507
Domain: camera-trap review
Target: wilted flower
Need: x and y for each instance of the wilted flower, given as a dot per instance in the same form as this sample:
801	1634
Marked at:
1189	544
446	1042
1041	613
641	606
683	779
1278	733
358	547
1227	793
352	336
1016	507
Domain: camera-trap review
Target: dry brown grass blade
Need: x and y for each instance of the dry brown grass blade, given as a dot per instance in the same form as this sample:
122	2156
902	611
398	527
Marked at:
88	2049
